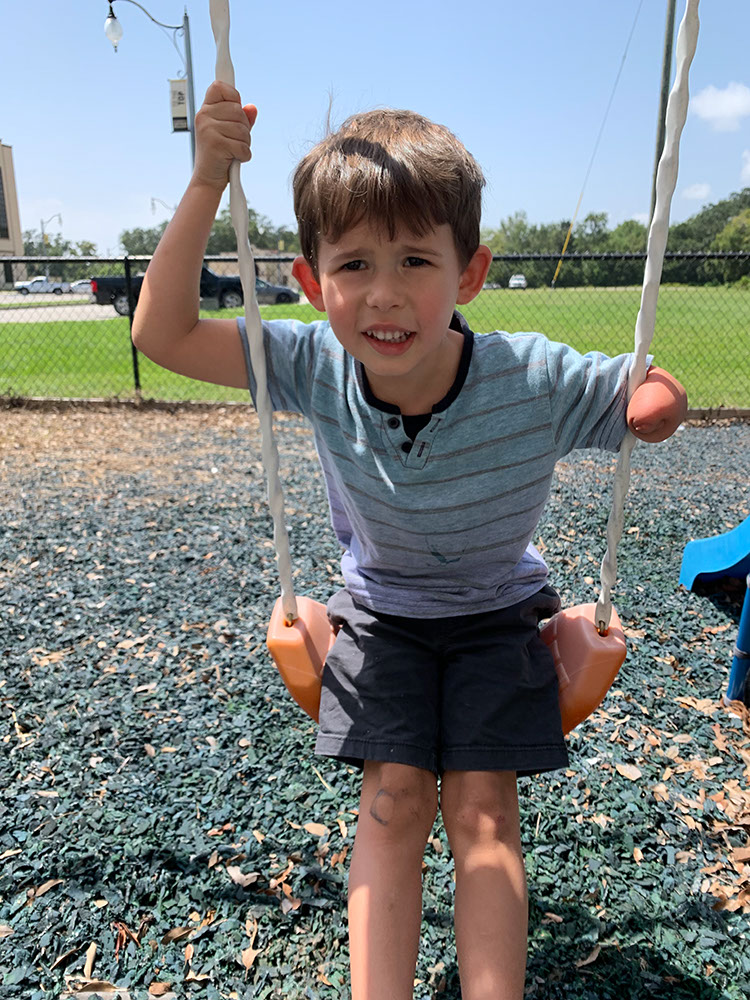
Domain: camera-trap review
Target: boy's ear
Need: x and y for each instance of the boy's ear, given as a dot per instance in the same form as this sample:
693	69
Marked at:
304	275
474	275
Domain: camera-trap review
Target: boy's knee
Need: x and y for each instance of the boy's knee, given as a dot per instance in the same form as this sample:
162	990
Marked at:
481	811
479	821
399	799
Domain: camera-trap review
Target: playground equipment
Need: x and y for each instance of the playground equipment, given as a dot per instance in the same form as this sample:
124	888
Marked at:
586	641
721	556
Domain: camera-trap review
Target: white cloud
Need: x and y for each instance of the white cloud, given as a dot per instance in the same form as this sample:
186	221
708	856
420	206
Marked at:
697	192
723	109
745	171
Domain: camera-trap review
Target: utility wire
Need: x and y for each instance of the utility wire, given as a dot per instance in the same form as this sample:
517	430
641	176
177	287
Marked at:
596	144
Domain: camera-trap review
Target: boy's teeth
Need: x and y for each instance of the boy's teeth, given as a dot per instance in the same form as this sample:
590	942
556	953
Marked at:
387	335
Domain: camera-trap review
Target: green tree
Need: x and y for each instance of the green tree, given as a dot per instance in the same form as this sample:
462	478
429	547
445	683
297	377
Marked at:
290	239
628	237
700	230
712	228
515	235
592	233
222	238
262	233
698	233
85	248
734	236
592	236
54	246
141	242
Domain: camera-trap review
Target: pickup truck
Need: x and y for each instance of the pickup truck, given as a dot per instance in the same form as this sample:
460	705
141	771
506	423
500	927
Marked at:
112	290
37	285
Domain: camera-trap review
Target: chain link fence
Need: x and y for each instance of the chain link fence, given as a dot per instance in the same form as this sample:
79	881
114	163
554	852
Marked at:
70	337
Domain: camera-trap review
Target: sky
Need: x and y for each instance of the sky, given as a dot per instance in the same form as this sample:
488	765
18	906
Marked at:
524	84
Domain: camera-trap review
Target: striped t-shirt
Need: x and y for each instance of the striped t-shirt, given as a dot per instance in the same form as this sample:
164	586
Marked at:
442	525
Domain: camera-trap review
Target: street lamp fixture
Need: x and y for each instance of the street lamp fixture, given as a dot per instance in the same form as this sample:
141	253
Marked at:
113	31
169	208
42	224
112	28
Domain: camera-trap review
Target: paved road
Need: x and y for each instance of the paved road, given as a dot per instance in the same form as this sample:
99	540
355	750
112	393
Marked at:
78	309
14	298
54	308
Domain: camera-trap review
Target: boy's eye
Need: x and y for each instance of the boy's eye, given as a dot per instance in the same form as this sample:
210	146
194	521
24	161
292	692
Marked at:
415	261
354	265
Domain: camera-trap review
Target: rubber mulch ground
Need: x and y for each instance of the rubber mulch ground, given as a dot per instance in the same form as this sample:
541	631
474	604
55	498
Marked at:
163	821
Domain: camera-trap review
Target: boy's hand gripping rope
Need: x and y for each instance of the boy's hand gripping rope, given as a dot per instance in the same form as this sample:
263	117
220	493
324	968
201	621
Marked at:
666	179
219	10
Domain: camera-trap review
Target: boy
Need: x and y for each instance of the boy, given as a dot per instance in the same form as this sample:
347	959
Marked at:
438	450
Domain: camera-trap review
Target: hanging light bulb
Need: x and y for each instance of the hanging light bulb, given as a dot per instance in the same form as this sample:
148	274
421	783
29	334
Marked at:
112	28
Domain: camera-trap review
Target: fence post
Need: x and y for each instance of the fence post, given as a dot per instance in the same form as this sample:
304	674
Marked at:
131	310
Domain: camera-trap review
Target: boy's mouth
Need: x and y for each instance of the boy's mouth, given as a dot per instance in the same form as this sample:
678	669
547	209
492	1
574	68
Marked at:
389	336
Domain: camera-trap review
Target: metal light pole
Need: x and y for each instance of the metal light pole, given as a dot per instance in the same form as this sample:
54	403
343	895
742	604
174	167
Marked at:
113	31
666	78
42	224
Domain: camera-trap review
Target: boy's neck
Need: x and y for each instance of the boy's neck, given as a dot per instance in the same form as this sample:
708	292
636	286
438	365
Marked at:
419	390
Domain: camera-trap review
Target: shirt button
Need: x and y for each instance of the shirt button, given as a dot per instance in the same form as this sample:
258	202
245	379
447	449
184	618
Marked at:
394	422
406	446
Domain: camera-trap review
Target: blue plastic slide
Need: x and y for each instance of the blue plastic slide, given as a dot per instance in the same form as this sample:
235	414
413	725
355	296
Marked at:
722	555
711	559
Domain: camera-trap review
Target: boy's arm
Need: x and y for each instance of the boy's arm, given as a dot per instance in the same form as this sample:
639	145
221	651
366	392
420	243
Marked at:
166	327
657	407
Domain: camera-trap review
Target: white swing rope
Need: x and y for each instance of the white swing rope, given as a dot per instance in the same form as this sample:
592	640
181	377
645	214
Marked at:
666	180
219	10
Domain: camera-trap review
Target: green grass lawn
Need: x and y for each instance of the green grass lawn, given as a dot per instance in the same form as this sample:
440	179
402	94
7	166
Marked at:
702	335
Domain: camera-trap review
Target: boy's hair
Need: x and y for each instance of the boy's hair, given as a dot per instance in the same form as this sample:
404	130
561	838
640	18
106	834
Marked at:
391	168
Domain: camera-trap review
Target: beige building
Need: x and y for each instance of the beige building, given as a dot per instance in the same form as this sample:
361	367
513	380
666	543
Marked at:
11	241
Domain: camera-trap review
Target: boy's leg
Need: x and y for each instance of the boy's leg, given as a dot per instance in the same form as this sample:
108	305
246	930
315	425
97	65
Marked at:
480	812
397	808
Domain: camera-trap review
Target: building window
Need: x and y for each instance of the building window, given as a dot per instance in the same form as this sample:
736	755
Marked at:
4	231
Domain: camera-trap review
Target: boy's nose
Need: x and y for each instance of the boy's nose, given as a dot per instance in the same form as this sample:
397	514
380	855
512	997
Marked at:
384	292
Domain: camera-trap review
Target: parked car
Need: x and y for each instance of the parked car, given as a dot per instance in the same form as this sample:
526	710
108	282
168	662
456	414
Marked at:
112	290
81	287
517	281
277	294
37	285
265	293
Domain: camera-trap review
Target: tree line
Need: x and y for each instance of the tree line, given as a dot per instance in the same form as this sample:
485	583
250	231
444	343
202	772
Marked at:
263	235
720	227
724	226
34	245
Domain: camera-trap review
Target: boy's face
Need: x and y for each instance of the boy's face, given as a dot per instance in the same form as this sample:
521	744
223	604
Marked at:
389	302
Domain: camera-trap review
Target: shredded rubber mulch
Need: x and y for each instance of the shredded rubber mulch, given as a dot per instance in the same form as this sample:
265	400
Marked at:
164	824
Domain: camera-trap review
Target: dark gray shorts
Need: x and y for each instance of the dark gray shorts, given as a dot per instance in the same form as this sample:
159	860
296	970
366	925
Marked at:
468	693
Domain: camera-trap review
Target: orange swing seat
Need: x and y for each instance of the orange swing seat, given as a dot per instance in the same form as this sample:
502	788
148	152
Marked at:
299	650
586	662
